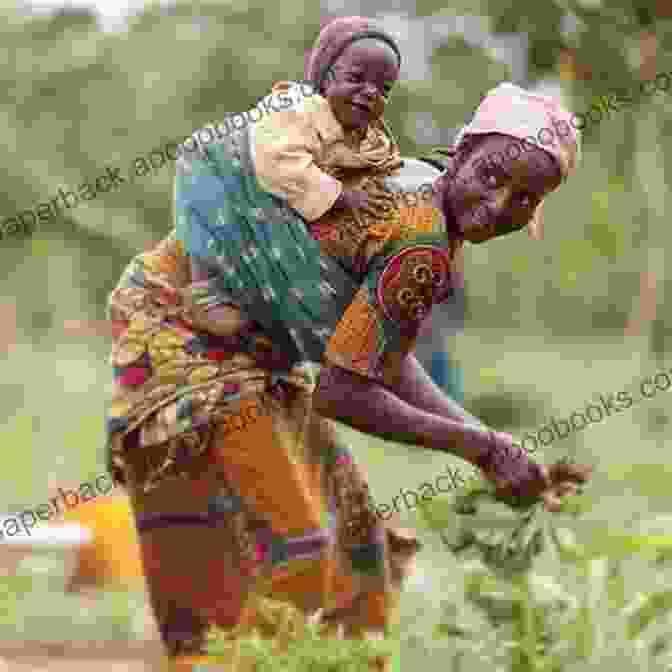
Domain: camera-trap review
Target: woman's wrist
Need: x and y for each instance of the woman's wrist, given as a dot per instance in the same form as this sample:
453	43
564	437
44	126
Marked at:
503	462
485	460
500	452
470	443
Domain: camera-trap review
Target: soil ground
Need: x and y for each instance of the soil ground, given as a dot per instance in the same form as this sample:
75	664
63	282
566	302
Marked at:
80	657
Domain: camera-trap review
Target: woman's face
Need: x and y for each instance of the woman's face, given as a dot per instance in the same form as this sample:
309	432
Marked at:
492	194
361	81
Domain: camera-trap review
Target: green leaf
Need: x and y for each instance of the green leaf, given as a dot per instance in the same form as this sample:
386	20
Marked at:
565	543
577	504
585	633
437	514
527	626
656	605
651	480
452	630
615	545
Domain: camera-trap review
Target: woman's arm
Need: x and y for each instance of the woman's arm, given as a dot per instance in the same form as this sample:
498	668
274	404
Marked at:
374	409
416	387
370	407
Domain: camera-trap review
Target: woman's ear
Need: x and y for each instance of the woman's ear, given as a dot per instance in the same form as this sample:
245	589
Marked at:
442	184
452	164
535	228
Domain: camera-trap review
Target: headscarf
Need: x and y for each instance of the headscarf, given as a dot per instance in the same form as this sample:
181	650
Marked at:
510	110
335	38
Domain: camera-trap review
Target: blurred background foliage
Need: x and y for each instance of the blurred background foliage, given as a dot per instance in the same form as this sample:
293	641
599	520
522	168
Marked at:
78	97
546	320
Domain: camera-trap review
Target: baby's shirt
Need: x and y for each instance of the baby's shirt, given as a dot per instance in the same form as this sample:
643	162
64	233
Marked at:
288	146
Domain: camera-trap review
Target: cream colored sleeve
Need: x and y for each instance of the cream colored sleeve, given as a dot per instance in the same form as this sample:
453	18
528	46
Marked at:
284	146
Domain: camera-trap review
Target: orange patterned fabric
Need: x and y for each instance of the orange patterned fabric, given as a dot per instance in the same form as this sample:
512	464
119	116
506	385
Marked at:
409	264
261	503
421	219
357	336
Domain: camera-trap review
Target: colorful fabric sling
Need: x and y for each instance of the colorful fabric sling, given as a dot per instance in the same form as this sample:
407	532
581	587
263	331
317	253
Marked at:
272	268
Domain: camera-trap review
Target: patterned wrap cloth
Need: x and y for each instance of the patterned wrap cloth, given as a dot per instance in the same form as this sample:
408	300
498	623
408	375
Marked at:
244	498
249	196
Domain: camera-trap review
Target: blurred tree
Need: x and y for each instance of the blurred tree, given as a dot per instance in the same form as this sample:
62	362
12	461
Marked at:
76	99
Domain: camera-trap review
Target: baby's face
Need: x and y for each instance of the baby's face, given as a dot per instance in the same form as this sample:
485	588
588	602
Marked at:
361	80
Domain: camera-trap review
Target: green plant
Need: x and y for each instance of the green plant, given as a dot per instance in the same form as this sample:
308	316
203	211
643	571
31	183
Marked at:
301	647
548	602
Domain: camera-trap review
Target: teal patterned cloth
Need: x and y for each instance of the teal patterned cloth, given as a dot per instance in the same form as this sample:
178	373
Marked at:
256	250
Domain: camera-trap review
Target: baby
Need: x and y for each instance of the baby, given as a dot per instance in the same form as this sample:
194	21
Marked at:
298	153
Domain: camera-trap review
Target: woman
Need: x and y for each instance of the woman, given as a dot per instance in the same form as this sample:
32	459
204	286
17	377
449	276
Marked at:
213	427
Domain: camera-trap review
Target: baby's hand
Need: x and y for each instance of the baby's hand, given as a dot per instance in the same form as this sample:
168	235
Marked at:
375	205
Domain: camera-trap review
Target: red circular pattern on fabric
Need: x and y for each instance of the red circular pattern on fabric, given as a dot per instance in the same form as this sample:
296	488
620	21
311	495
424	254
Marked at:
413	281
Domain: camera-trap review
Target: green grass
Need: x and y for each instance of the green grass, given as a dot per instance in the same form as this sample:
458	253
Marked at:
609	611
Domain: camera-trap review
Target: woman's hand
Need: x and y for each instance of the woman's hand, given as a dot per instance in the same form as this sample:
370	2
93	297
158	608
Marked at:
515	476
